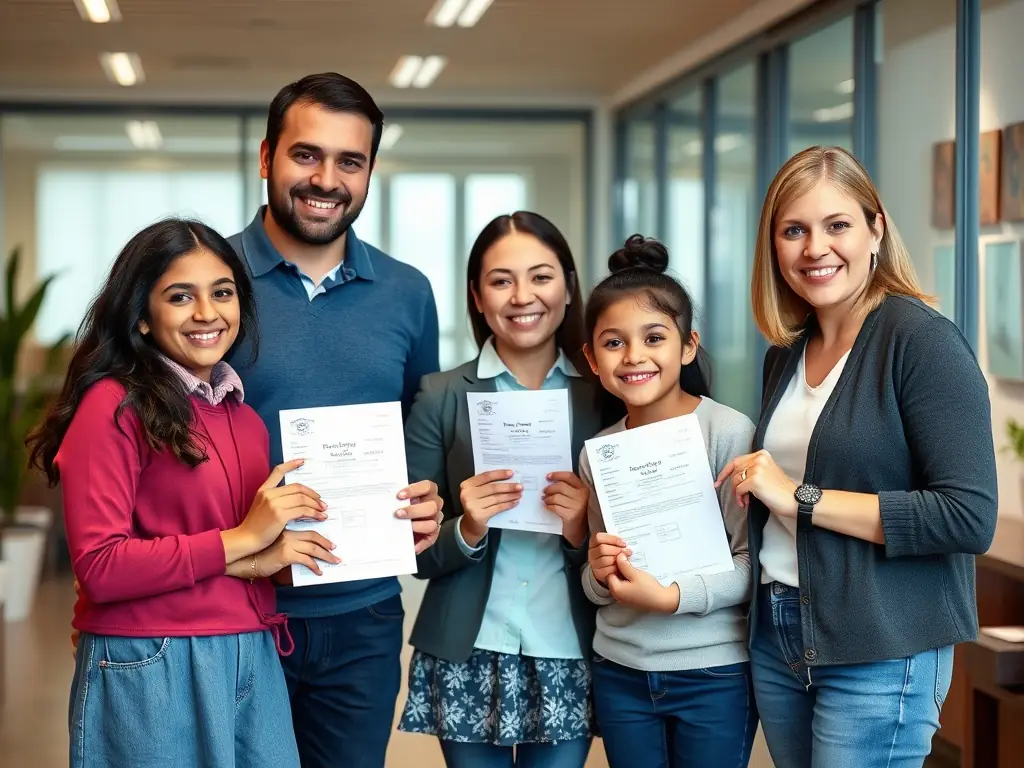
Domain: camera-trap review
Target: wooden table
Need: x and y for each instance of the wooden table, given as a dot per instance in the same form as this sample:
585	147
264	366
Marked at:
983	716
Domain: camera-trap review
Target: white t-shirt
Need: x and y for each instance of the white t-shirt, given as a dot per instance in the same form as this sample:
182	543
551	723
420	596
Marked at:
786	439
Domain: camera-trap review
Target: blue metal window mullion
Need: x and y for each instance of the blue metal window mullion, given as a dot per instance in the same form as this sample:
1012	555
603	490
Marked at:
709	129
865	87
661	171
968	85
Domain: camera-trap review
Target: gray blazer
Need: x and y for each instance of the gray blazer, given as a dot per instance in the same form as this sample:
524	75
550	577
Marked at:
439	448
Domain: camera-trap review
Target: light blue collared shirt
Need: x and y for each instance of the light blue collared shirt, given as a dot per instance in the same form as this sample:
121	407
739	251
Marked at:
528	608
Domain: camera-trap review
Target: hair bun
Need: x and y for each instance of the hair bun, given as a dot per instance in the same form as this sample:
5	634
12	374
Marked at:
639	252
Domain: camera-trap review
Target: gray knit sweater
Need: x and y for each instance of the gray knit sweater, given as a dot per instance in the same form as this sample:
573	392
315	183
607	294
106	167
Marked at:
709	629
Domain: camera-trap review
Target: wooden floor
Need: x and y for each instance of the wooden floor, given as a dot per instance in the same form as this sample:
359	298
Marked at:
33	726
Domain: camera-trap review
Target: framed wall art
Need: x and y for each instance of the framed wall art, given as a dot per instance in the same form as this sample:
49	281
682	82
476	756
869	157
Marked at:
1013	173
989	172
944	184
1004	313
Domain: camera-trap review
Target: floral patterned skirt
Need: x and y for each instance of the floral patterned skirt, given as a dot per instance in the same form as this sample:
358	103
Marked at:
498	698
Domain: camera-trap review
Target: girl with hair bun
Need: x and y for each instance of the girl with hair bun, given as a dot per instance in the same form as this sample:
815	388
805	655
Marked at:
671	677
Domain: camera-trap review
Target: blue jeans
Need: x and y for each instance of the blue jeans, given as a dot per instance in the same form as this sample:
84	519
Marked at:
698	718
343	679
882	713
175	701
564	754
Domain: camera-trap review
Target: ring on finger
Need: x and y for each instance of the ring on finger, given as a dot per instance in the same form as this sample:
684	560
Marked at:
743	476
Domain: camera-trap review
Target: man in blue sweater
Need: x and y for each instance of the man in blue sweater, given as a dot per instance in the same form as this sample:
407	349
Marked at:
340	323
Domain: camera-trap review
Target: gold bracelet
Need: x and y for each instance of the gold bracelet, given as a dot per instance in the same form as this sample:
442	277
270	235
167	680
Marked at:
252	565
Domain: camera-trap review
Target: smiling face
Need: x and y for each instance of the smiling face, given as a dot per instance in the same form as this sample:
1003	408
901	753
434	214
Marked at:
638	352
522	291
193	312
823	244
318	178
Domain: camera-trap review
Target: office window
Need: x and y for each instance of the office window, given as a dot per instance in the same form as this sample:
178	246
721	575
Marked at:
639	192
731	331
76	188
685	223
821	88
489	195
422	233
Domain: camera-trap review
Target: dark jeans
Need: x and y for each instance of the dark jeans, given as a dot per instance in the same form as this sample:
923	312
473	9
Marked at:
343	680
699	718
564	754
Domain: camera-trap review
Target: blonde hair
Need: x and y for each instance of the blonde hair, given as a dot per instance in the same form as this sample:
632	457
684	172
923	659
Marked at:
778	311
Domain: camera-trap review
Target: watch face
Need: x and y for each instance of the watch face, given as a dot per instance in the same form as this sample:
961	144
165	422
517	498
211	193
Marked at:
808	494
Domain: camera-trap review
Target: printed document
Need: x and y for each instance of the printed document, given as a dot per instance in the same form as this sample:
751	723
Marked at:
355	460
658	494
528	433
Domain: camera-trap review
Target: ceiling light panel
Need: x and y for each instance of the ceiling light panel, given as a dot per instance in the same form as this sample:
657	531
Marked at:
122	68
98	11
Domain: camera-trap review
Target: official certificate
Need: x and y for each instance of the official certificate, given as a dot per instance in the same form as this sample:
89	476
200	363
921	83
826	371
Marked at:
528	433
355	459
658	494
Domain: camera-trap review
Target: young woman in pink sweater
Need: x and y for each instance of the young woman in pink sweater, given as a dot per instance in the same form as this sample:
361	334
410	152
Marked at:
172	521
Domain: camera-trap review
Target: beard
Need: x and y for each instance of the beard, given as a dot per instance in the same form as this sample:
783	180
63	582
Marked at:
282	208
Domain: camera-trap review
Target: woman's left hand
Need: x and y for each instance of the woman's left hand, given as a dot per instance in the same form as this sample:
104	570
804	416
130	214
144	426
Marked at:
568	497
758	474
425	504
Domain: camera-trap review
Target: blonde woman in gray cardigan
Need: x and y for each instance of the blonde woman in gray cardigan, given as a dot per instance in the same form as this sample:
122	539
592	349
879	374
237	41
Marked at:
671	677
871	484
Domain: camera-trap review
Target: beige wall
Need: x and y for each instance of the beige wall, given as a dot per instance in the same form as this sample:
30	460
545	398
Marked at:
917	81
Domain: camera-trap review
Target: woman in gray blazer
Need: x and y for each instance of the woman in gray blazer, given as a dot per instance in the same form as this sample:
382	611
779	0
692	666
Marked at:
503	638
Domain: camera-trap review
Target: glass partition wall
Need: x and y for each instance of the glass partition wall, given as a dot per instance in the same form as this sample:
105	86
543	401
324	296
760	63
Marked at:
76	186
698	156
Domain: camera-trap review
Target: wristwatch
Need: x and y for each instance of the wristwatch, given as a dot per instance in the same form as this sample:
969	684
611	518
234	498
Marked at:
807	495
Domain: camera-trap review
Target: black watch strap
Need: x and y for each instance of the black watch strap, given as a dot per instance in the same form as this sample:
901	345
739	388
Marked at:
804	517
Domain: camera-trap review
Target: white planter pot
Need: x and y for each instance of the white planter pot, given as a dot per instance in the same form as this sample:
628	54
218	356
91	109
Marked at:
23	547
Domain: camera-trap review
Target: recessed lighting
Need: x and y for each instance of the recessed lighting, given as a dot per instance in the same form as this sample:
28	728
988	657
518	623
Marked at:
405	70
473	11
431	68
144	134
445	12
122	68
417	71
465	13
845	87
392	133
98	11
834	114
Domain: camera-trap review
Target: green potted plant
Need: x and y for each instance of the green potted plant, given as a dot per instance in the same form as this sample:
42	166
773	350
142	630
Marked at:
1015	431
23	400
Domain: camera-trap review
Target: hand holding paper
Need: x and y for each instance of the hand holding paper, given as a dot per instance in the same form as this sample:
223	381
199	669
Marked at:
355	461
526	433
657	493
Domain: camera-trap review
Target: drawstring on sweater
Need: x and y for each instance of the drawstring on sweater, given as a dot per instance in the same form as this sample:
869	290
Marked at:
277	623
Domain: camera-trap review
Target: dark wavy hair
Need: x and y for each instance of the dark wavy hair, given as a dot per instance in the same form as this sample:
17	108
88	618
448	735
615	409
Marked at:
638	269
570	336
110	345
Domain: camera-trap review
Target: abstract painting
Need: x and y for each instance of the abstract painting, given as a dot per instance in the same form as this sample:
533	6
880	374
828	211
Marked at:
943	184
1004	318
989	169
1013	172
